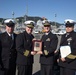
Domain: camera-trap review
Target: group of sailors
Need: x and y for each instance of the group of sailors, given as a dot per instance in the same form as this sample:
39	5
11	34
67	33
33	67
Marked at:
16	50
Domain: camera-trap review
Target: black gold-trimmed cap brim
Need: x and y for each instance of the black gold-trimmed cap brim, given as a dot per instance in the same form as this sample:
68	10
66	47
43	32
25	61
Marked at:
10	24
31	26
46	24
69	25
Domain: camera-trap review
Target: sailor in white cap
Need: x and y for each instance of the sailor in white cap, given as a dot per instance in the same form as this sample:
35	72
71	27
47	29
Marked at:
8	49
69	23
68	63
29	23
46	22
10	23
47	26
49	41
24	49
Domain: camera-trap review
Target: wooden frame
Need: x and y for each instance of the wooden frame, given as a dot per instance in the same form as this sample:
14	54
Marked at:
37	45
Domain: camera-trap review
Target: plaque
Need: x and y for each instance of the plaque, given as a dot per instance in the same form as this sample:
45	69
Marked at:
37	45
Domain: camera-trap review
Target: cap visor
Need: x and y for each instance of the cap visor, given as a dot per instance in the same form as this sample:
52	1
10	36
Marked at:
46	25
30	26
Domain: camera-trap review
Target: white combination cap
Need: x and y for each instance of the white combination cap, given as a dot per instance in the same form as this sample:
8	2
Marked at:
9	22
46	22
29	23
69	22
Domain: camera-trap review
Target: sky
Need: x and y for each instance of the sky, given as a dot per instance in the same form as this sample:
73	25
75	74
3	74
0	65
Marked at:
64	9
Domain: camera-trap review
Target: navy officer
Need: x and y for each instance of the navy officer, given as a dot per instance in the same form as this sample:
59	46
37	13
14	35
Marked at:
49	45
24	49
68	63
8	49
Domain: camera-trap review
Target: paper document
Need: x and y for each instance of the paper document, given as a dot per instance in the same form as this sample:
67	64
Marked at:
65	50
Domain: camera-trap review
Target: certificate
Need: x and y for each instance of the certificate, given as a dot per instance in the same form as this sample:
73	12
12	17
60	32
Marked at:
65	51
37	45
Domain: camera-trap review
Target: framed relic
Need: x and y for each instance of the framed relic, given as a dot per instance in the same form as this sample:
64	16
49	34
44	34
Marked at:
37	45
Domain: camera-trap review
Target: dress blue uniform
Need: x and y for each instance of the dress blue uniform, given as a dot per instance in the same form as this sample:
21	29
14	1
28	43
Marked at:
8	51
24	48
49	42
68	67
